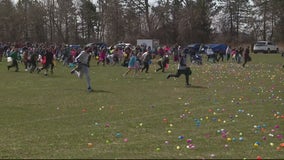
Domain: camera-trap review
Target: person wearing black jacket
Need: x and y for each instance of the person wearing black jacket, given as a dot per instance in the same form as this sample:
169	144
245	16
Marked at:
182	69
33	62
48	56
246	56
162	62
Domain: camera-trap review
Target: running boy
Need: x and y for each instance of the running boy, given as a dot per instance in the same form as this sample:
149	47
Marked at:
182	69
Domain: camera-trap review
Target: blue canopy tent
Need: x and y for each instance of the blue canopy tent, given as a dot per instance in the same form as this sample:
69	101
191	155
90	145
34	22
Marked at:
75	46
195	47
217	47
198	47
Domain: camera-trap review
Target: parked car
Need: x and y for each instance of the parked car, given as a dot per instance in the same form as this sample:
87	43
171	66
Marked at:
99	45
265	47
123	45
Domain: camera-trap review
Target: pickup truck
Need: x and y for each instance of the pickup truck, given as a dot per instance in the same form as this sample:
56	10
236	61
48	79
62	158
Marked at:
265	47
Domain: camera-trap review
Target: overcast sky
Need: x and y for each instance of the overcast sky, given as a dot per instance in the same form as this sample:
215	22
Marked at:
94	1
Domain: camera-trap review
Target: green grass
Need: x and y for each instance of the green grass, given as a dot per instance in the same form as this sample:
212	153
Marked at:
54	116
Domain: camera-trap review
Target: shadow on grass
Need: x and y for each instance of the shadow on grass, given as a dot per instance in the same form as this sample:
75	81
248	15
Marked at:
84	90
101	91
198	87
143	78
138	78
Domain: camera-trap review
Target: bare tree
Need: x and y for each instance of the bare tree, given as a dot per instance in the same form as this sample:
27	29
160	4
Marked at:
278	20
170	21
31	20
269	15
50	9
112	23
7	23
235	17
88	19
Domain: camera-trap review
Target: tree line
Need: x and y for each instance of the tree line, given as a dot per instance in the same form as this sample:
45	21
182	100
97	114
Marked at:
113	21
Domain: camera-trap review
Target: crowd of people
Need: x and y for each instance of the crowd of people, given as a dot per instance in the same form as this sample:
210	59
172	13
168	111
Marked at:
236	55
38	57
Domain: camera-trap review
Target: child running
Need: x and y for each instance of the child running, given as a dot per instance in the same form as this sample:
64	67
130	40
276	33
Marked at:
83	60
182	69
15	57
132	65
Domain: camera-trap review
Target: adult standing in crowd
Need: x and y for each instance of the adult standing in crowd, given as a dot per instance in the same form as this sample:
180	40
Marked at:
211	55
220	55
228	53
239	55
247	58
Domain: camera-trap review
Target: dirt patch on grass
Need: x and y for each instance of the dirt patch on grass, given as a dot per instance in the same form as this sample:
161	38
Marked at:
281	47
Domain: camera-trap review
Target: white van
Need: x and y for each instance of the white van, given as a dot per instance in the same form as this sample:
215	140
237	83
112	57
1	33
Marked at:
265	47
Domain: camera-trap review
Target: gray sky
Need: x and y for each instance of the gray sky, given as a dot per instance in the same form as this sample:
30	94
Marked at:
94	1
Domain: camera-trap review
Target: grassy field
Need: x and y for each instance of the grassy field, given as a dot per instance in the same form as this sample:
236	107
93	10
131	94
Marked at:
229	112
